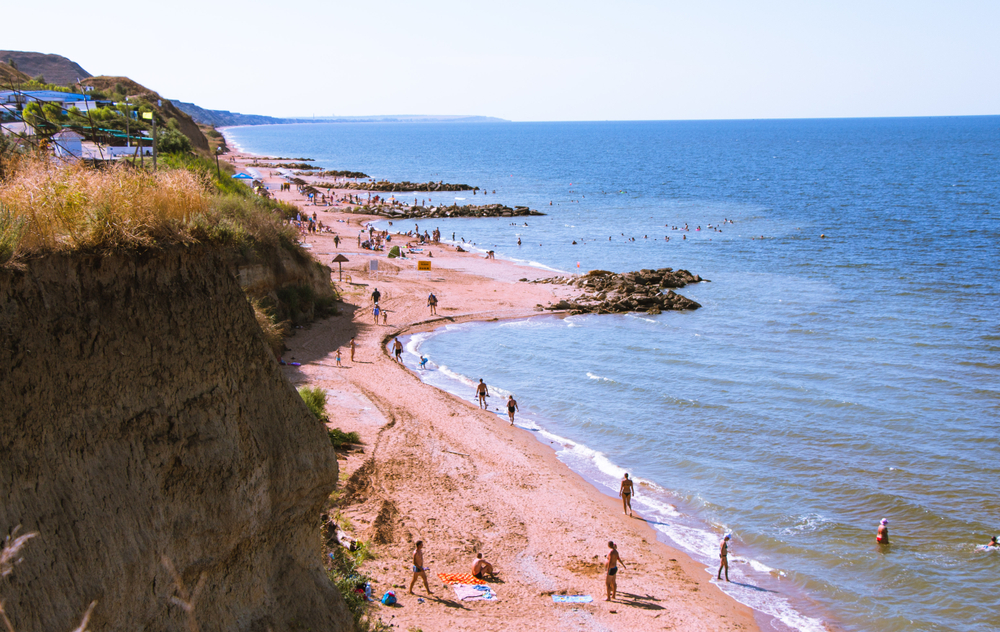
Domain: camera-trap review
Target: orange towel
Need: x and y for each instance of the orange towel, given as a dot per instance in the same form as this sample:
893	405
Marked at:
459	578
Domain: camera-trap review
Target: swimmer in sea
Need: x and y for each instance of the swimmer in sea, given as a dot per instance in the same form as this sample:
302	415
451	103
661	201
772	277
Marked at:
626	492
882	536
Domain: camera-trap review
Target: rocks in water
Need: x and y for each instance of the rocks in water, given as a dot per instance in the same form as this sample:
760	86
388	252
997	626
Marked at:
642	291
385	185
469	210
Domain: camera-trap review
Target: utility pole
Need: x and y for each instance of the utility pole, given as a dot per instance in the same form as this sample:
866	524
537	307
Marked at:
154	143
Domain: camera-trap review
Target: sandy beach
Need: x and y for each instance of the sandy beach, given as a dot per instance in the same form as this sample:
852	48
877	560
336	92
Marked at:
437	468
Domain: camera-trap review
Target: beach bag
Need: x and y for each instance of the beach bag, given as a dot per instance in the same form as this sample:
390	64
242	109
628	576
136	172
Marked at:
389	598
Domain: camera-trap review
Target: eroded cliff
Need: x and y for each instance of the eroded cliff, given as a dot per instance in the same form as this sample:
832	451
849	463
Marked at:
143	417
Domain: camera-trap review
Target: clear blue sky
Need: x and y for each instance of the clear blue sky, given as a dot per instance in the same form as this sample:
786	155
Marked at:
531	61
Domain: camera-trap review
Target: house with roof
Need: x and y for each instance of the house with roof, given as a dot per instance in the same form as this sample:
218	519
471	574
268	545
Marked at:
68	144
65	100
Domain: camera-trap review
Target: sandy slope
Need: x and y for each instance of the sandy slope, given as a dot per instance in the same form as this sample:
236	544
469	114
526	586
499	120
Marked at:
438	468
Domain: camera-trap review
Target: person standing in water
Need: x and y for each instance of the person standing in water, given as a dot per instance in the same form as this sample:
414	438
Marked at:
397	349
882	535
611	566
626	492
724	558
511	407
482	393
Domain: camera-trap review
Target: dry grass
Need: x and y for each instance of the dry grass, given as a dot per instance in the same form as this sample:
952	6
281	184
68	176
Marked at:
274	332
10	556
49	207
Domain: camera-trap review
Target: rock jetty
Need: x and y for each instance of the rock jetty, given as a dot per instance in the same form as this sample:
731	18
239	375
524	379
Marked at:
643	291
469	210
396	187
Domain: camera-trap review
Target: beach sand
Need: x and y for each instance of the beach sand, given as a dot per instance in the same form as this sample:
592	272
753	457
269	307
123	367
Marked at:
434	467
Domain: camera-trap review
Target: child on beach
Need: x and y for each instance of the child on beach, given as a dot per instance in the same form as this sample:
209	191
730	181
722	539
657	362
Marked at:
338	356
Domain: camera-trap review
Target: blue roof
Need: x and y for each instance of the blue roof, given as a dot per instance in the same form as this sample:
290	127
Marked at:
49	95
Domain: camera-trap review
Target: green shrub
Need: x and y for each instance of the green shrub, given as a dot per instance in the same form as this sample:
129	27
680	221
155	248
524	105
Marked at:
315	399
171	141
339	438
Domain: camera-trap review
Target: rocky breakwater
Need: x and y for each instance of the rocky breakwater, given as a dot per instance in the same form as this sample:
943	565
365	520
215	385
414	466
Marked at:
643	291
396	187
145	420
469	210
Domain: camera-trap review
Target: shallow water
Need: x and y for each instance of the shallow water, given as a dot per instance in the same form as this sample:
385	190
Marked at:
826	382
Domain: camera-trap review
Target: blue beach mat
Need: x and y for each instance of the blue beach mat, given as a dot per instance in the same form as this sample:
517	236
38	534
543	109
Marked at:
572	598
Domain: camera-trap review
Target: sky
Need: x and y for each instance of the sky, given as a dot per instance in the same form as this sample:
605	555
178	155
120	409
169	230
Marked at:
539	60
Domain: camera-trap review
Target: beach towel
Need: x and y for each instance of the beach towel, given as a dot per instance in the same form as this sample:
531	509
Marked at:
572	598
459	578
467	592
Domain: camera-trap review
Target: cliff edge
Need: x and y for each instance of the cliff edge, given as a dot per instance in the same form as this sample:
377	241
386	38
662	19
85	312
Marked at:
144	418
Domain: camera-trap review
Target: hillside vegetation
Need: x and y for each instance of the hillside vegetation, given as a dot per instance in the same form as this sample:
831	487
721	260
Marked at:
54	69
10	76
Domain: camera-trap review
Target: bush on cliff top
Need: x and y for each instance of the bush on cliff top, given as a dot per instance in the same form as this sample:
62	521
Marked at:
49	207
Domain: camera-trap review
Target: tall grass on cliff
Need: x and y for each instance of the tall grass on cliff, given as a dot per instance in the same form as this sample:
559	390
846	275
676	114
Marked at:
51	207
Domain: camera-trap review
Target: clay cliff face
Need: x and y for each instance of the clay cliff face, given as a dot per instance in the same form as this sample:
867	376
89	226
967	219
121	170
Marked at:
141	416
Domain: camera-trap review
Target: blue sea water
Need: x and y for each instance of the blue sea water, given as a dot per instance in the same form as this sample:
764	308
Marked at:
844	367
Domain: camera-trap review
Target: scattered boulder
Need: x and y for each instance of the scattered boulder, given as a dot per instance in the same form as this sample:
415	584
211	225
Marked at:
609	293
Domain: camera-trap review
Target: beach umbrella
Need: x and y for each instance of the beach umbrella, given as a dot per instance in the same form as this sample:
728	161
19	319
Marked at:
340	260
243	176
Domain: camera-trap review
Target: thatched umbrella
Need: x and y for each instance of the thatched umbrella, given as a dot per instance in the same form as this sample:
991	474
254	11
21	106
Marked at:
340	260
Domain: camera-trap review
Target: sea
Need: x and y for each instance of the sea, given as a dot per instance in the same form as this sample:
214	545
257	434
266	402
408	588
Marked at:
844	366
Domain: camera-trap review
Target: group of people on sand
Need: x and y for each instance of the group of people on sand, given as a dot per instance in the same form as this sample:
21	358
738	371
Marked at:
480	568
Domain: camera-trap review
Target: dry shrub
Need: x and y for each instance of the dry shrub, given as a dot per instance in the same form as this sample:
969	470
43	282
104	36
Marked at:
69	206
47	206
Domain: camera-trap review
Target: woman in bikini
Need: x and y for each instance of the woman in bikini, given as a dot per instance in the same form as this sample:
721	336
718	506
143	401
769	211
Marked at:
511	407
626	492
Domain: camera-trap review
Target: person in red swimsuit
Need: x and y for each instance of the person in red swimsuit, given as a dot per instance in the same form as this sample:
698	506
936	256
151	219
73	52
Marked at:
882	537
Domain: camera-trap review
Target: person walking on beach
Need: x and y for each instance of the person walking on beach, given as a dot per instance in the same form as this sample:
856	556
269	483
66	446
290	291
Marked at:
375	312
482	393
611	582
376	295
397	349
724	558
626	492
419	570
338	357
432	303
882	535
511	407
353	346
336	241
